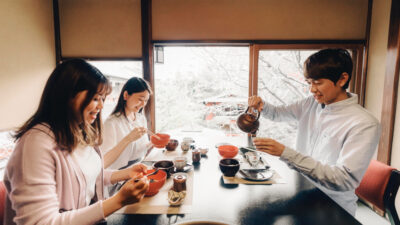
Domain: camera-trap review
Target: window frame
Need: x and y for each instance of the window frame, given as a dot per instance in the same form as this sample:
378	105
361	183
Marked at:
357	83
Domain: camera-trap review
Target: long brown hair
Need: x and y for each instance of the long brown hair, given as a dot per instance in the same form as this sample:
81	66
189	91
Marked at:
56	108
133	85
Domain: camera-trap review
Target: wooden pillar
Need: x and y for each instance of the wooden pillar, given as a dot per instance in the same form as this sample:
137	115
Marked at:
391	85
147	56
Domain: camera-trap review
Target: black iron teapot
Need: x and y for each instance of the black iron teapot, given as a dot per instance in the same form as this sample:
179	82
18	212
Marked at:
248	122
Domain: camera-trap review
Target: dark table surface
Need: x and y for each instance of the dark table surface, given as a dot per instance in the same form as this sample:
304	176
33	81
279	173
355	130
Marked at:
295	202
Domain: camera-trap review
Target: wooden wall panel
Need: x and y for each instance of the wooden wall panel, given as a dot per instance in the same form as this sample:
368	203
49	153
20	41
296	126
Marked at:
259	19
100	28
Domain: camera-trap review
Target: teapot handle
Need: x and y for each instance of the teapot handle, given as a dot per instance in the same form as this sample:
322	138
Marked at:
258	113
247	109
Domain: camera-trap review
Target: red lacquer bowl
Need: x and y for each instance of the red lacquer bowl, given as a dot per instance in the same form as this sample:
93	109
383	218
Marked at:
160	142
228	151
156	182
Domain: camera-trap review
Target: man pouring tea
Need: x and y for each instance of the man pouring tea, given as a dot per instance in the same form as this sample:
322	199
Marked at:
336	136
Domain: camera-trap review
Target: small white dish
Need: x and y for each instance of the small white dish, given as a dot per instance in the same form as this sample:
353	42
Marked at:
203	150
185	169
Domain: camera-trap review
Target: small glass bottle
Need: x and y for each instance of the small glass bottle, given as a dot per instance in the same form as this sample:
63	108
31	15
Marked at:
196	156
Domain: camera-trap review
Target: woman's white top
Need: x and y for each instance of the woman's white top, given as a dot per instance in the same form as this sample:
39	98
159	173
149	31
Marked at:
90	163
115	129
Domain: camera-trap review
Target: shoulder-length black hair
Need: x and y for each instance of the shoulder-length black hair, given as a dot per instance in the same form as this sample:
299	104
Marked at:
133	85
56	104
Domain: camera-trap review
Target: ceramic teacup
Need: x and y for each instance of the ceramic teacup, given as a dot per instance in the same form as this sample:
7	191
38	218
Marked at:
180	162
185	146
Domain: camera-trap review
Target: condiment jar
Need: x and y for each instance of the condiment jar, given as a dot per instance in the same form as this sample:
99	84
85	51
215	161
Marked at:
179	182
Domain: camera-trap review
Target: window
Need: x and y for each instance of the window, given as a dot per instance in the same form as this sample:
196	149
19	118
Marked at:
201	88
281	82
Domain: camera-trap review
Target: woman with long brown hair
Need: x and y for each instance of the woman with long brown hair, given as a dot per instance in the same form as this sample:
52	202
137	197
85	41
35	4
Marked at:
55	174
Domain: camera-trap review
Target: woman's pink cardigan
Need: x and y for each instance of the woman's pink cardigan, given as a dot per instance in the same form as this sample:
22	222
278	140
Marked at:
45	186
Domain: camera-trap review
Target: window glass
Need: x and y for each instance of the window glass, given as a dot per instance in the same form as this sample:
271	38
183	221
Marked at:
201	88
281	82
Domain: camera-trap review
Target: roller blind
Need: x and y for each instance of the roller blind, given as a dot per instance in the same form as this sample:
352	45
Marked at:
258	19
100	28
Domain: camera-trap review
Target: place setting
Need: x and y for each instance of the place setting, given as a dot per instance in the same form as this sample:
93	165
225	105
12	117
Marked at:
170	188
255	168
171	179
250	167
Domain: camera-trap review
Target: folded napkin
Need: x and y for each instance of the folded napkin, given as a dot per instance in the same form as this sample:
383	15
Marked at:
253	161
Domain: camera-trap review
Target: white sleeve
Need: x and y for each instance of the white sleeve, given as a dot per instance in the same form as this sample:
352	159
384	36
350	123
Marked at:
109	136
144	122
286	112
353	161
143	144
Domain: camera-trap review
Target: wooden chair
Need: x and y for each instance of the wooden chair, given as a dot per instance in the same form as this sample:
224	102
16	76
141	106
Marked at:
379	188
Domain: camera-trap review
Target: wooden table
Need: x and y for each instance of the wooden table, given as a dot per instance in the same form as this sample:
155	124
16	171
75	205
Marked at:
295	202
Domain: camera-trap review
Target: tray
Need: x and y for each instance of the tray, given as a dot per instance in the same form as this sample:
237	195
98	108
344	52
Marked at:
256	175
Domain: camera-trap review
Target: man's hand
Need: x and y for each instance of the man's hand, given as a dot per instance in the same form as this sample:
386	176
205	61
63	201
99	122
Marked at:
256	102
269	146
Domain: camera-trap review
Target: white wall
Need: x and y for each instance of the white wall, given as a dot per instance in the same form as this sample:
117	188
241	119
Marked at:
27	57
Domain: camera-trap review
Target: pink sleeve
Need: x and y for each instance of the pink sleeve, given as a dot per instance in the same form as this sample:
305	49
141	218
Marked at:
33	172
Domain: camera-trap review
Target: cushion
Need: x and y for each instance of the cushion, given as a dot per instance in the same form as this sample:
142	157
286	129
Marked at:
373	185
2	200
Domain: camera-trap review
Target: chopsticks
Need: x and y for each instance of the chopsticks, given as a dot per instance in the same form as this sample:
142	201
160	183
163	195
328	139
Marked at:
153	134
155	171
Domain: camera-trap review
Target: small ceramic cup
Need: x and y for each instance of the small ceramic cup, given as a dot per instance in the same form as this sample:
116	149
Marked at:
185	146
172	144
188	139
229	167
180	162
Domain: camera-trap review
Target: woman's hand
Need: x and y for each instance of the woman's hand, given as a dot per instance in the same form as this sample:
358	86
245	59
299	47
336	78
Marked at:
136	133
137	170
269	146
133	191
256	102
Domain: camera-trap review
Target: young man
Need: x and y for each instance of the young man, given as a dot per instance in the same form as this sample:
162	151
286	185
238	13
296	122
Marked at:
336	136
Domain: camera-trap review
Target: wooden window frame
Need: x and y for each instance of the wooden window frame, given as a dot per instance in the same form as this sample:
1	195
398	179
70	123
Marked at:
357	83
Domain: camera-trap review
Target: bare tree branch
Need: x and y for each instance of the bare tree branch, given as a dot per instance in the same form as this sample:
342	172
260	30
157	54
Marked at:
215	61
